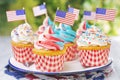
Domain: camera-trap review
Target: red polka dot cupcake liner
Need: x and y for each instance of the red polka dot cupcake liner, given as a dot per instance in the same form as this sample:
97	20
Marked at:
49	60
94	57
23	54
49	63
71	52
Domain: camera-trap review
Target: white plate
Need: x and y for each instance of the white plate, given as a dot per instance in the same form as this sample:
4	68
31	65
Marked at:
70	67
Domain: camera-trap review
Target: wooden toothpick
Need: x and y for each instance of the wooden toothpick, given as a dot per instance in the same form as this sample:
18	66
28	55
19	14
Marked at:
25	16
68	6
46	9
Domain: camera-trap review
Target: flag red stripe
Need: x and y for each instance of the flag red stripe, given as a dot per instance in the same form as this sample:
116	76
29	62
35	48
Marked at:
69	19
11	16
110	15
91	17
37	11
76	11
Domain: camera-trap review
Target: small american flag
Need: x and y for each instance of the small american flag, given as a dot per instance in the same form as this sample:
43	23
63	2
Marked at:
105	14
88	15
74	11
16	15
65	17
39	10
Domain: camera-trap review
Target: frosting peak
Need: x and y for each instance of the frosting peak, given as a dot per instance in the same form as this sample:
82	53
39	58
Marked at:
92	36
23	33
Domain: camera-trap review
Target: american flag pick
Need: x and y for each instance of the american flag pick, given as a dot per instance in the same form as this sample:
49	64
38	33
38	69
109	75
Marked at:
74	11
88	15
39	10
105	14
16	15
65	17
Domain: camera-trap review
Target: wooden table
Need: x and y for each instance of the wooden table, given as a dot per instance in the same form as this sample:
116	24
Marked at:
6	53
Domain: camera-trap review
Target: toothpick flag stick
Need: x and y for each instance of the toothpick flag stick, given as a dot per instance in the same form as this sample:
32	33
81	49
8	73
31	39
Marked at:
54	19
55	14
25	16
95	22
46	12
68	5
57	8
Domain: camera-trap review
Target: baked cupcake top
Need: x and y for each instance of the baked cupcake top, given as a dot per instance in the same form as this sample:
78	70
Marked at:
90	35
23	33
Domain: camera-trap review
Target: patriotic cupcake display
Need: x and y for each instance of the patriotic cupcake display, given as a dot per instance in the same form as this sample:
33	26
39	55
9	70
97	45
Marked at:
52	45
66	33
93	46
48	50
22	43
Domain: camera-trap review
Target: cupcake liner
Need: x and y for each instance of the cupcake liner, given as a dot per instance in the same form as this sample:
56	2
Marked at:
71	51
49	63
49	60
94	57
23	54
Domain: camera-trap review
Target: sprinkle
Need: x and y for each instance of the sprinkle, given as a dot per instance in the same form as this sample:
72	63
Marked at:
28	31
89	42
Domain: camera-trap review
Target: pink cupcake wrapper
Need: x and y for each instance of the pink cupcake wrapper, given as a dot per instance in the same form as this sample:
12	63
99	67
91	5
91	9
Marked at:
23	55
89	58
49	63
71	52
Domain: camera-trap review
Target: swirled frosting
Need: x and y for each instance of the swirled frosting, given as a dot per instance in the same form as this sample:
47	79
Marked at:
23	33
44	39
65	33
51	37
92	36
47	41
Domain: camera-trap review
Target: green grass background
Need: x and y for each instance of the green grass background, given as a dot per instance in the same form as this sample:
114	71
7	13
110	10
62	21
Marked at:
111	28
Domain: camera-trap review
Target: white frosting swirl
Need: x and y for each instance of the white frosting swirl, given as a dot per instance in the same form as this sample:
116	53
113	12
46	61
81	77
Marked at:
23	33
93	36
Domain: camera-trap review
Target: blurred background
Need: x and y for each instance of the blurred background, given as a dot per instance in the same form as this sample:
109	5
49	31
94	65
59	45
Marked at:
111	28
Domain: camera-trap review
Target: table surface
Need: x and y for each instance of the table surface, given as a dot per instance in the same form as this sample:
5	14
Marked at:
6	53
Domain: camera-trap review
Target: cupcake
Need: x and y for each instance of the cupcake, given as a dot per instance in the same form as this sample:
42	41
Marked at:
66	33
93	45
22	43
49	51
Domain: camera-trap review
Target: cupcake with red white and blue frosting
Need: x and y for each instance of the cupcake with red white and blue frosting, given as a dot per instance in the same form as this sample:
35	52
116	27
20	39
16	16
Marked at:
49	51
68	35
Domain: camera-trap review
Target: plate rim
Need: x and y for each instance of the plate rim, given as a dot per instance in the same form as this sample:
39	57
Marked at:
58	73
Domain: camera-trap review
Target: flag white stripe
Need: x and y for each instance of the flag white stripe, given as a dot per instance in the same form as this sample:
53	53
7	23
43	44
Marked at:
76	11
65	21
69	19
110	15
11	16
105	17
38	12
91	17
